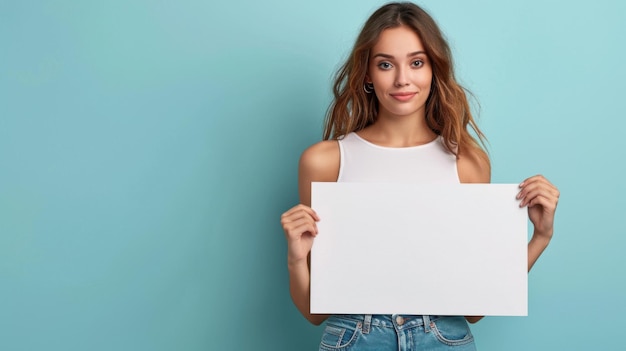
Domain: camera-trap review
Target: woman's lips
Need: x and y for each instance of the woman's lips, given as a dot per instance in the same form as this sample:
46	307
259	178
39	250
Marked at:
403	96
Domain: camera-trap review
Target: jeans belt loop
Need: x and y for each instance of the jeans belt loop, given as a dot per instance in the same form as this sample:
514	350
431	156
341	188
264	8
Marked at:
426	319
367	322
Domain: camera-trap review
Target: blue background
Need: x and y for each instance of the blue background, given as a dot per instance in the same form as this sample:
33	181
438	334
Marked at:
148	148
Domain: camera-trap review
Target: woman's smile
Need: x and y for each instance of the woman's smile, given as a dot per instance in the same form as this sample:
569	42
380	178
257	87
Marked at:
403	96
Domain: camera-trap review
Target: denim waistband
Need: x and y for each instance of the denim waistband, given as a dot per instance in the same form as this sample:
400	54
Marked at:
392	320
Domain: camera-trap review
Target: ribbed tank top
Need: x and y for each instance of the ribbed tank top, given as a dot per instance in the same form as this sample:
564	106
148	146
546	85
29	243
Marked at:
362	161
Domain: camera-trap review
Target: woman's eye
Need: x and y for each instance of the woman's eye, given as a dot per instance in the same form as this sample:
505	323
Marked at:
418	63
384	65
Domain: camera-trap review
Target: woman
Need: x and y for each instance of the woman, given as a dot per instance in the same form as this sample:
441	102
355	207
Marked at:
396	99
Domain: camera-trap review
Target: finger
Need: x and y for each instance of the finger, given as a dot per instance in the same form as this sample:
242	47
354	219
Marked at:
299	221
530	196
294	216
533	186
534	189
537	179
299	227
296	208
298	231
548	204
291	216
531	179
300	208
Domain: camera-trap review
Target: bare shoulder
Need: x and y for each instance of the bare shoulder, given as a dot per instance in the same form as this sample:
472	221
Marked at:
473	166
320	161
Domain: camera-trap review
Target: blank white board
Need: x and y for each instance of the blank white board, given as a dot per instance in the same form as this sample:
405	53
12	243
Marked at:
386	248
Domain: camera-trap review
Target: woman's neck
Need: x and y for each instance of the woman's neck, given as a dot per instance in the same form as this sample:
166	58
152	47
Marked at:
398	131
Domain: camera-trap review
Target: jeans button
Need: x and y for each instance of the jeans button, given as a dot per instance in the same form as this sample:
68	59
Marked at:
399	320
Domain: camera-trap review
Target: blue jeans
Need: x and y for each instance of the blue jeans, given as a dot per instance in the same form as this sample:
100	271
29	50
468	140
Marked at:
396	332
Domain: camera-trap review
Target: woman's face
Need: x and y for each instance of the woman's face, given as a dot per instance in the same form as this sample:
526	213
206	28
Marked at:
401	73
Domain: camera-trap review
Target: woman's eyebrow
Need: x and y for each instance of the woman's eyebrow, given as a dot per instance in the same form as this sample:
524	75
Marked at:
387	56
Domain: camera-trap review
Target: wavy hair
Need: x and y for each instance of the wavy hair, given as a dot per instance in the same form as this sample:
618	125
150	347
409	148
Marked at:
447	109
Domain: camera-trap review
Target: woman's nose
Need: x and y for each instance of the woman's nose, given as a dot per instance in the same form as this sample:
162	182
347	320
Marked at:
401	78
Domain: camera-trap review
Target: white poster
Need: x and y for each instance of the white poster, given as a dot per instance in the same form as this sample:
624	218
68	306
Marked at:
387	248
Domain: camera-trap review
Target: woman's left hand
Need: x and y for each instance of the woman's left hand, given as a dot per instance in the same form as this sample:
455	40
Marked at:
541	197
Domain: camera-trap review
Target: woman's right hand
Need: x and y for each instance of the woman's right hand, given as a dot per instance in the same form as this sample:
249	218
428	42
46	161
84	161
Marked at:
300	230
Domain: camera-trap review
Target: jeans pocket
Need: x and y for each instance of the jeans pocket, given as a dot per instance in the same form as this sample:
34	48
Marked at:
452	330
340	334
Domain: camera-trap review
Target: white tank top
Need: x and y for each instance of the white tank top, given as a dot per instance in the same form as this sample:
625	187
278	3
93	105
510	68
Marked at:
362	161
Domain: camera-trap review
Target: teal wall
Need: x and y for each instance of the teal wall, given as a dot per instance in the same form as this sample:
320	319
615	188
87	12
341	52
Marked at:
148	148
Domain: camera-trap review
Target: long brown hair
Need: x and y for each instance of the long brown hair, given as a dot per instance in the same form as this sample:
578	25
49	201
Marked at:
447	109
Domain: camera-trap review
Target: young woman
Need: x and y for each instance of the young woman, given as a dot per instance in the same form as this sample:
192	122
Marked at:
397	102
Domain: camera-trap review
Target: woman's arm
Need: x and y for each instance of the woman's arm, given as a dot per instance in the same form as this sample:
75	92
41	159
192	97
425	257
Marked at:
541	198
319	163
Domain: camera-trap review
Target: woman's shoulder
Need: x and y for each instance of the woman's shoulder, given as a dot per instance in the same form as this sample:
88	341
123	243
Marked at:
473	166
321	160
